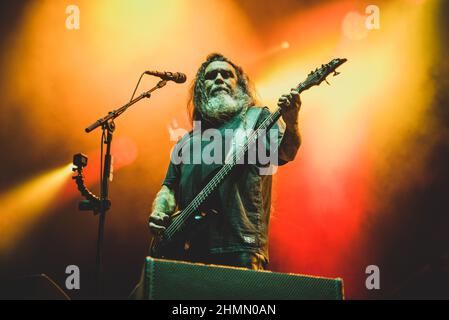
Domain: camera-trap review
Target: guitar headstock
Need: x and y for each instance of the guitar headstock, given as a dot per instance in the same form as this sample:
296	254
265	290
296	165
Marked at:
315	78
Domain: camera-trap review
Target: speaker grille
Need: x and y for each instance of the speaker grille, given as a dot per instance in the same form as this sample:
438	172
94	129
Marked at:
165	279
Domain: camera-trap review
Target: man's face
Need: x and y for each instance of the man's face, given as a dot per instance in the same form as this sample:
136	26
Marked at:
220	78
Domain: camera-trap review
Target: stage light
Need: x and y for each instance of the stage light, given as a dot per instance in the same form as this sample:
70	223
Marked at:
23	205
80	160
285	45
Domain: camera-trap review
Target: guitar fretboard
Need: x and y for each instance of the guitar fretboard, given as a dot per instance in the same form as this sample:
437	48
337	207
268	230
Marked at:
314	78
213	184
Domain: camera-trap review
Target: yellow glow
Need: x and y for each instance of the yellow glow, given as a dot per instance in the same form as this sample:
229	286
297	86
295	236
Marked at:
76	76
21	207
353	26
376	102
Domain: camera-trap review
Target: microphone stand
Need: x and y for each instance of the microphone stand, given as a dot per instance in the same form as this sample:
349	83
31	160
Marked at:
107	124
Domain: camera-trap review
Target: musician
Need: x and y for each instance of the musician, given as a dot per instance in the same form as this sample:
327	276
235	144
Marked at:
237	231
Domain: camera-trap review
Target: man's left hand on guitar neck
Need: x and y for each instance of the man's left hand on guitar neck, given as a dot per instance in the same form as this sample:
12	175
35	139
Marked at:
290	105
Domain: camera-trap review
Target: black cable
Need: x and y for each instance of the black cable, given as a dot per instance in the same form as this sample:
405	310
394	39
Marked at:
101	162
135	89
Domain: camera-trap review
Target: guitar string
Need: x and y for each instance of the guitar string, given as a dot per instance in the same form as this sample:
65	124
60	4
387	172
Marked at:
197	201
173	228
223	172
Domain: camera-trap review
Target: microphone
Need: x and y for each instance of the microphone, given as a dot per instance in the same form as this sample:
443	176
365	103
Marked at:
177	77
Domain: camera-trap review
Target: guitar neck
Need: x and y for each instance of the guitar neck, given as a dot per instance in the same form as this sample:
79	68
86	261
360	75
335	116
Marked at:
314	78
213	184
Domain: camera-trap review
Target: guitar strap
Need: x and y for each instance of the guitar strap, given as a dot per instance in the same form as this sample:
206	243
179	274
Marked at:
248	126
252	115
240	134
243	131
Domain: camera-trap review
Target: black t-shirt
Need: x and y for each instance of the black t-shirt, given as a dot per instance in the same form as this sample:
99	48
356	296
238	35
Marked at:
242	201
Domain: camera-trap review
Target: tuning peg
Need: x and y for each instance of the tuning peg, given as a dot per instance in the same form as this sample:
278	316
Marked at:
336	73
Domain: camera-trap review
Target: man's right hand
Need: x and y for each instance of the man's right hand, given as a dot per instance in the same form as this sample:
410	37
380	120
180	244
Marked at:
164	203
158	221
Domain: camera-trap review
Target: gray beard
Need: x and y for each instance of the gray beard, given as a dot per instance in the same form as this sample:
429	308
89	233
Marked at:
222	107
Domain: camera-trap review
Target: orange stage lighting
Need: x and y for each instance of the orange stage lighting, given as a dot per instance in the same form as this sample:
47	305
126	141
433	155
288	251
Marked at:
22	206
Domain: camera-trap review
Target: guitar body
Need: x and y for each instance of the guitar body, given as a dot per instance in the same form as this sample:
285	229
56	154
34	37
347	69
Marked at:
178	246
